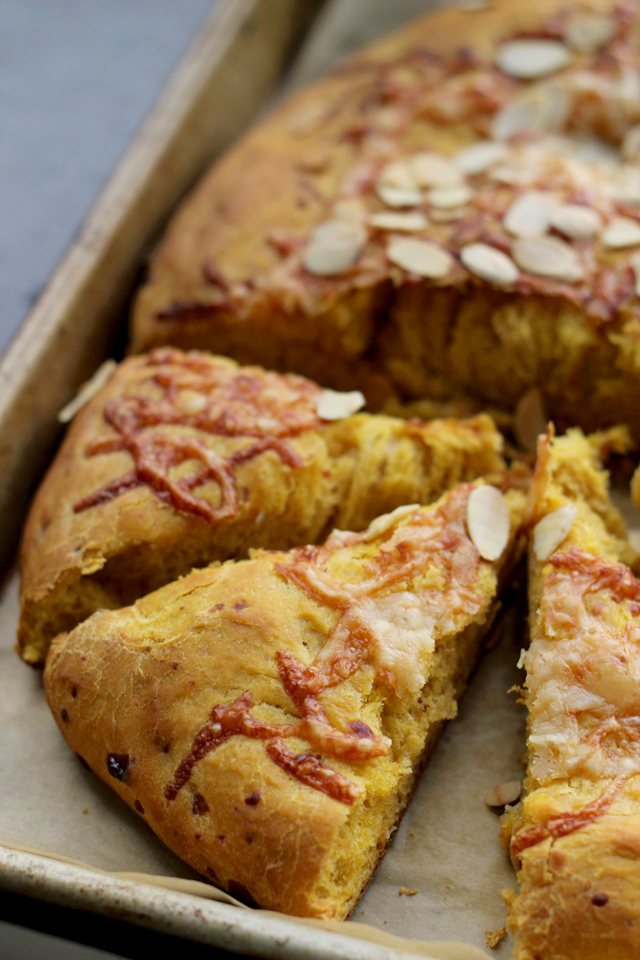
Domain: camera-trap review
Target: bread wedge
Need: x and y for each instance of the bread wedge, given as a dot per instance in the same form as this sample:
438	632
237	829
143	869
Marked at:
268	718
184	458
575	838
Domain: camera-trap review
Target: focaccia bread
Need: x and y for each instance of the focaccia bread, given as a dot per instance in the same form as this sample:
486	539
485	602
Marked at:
268	717
575	839
184	458
457	209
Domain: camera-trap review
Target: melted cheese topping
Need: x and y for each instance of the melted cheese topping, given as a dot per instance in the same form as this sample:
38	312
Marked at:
211	399
583	671
413	578
415	586
402	628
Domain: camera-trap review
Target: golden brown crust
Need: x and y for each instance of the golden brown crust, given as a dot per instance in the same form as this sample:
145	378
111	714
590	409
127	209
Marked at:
579	894
87	545
228	275
296	643
575	839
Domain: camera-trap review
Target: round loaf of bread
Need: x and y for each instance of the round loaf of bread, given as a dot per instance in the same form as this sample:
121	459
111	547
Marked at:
457	209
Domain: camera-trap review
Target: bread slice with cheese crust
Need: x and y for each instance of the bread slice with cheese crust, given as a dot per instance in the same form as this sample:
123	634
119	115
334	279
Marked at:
575	838
185	458
268	718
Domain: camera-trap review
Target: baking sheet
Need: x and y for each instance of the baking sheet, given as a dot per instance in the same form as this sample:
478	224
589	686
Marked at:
346	25
446	856
446	849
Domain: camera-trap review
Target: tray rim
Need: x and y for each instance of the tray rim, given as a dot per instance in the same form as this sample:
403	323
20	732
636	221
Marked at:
182	914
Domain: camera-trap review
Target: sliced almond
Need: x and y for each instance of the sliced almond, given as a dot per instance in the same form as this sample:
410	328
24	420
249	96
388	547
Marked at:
631	144
332	405
478	157
549	532
529	419
420	257
398	174
490	264
399	196
448	198
410	222
627	89
576	221
88	391
334	247
350	208
626	186
542	109
506	174
433	170
529	215
548	257
488	521
621	232
505	793
387	521
528	59
448	216
587	32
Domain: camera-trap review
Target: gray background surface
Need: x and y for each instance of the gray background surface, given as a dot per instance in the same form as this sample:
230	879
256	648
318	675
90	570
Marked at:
77	78
17	943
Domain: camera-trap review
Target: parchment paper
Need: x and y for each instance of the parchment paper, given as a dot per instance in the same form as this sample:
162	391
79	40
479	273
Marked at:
447	848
